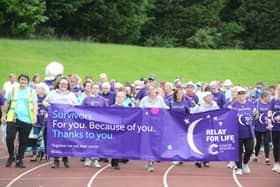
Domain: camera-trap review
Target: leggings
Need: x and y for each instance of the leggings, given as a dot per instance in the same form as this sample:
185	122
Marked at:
266	139
248	143
276	145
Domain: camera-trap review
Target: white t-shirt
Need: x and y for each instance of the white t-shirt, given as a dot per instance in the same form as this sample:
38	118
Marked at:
8	86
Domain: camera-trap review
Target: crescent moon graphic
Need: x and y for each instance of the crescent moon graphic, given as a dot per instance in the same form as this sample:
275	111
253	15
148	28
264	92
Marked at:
272	117
240	121
211	149
260	118
190	136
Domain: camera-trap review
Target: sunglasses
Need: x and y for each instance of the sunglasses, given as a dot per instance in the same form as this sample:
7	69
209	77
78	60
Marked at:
241	93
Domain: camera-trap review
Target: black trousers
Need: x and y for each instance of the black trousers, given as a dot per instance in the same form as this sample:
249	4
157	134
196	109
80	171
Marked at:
265	136
23	130
248	144
276	145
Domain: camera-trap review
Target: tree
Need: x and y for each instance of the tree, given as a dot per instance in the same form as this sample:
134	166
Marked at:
21	17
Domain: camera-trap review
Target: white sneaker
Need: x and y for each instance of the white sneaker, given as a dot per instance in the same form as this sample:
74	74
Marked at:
96	164
276	168
150	167
246	168
239	171
231	164
177	162
88	162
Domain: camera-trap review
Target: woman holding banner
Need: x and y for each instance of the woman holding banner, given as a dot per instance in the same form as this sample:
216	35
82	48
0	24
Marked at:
98	101
208	104
60	95
152	100
273	116
245	115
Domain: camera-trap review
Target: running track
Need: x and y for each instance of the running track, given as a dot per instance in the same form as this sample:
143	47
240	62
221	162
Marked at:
133	174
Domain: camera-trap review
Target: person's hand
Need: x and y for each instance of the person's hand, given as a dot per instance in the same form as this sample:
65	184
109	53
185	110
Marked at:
277	118
269	126
3	119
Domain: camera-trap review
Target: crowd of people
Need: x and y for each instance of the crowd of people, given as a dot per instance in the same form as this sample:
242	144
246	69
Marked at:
24	109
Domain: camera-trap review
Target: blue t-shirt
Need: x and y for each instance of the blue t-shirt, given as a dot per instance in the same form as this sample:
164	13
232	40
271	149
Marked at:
275	108
22	105
245	118
261	121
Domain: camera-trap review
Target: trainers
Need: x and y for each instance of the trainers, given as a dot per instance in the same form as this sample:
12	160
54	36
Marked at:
267	162
177	163
206	164
231	164
116	167
276	168
66	163
238	171
96	164
246	168
10	162
55	164
198	164
150	167
88	162
19	164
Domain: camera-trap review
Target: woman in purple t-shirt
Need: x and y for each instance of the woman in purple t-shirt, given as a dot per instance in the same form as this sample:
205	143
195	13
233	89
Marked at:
273	116
261	130
245	115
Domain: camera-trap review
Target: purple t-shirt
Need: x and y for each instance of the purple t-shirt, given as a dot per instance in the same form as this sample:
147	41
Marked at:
142	93
193	100
275	108
110	97
97	101
180	106
168	99
41	111
2	100
49	84
261	122
77	89
220	99
245	118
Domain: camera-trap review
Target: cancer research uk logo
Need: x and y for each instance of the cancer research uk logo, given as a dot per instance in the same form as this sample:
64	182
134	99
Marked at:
212	139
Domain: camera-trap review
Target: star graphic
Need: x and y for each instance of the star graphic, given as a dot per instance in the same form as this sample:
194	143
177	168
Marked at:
187	121
147	113
220	123
208	116
215	118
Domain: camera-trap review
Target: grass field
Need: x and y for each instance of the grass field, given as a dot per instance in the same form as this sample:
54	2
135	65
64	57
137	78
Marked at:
128	63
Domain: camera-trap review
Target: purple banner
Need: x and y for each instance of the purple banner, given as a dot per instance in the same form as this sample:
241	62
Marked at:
142	134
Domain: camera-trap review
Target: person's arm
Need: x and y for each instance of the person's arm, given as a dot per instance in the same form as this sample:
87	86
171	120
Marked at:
4	109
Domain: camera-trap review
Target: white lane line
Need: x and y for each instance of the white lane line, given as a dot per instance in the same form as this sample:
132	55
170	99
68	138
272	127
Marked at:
4	157
236	179
165	184
27	172
96	174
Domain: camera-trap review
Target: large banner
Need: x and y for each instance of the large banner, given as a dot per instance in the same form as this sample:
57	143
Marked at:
142	134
